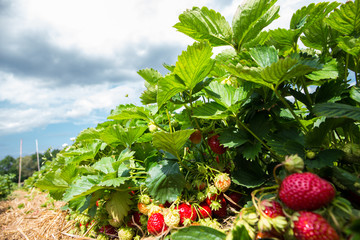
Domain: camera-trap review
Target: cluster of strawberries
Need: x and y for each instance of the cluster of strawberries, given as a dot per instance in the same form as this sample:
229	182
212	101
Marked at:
296	209
161	218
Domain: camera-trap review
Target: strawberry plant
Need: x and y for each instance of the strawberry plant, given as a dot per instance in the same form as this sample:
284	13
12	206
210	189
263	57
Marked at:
250	143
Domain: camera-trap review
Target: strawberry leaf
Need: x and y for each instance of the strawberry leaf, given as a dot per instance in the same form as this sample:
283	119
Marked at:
119	205
171	142
337	110
198	233
194	64
165	181
251	18
204	24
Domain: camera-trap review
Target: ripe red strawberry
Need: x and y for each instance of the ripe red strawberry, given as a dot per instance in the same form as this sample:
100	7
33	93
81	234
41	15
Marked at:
272	208
221	212
215	145
186	212
222	182
235	197
108	229
195	137
214	198
312	226
305	191
156	224
205	210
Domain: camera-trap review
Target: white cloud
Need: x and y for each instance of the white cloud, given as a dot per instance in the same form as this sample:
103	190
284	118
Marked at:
36	105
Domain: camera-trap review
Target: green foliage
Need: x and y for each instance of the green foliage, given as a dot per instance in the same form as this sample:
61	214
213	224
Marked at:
198	232
254	104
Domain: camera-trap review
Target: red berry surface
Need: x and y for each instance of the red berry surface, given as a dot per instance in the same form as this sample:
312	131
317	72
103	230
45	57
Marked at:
235	197
312	226
214	197
186	212
195	137
272	208
205	210
108	229
156	224
215	145
305	191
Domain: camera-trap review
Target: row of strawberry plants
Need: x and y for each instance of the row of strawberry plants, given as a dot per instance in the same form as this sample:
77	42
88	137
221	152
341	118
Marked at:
209	144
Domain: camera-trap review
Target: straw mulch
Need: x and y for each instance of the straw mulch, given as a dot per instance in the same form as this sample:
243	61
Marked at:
32	215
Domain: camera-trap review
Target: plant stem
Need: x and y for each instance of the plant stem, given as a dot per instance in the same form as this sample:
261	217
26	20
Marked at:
254	135
290	109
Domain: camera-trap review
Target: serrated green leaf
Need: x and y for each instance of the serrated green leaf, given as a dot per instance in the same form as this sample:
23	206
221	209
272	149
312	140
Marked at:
211	110
233	137
204	24
198	233
168	87
264	56
53	183
124	136
283	39
288	68
194	64
346	19
337	110
308	15
171	142
226	95
165	181
87	152
248	173
355	93
325	158
88	134
150	75
133	112
119	205
347	179
251	150
350	45
251	17
105	165
82	187
113	182
329	71
251	74
69	173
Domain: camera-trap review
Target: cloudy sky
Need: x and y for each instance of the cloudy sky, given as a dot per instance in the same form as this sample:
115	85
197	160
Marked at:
64	64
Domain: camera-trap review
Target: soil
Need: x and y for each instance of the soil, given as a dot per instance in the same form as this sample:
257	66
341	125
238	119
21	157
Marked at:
32	215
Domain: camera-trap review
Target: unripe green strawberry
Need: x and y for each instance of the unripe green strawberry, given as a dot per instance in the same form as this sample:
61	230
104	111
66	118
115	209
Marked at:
305	191
102	236
312	226
115	223
126	233
172	218
156	224
222	182
144	198
215	145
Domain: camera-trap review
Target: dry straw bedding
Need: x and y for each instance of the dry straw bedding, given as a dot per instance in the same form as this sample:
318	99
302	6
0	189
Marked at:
30	215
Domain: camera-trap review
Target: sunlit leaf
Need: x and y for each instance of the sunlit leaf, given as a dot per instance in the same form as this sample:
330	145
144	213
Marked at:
171	142
251	17
204	24
194	64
